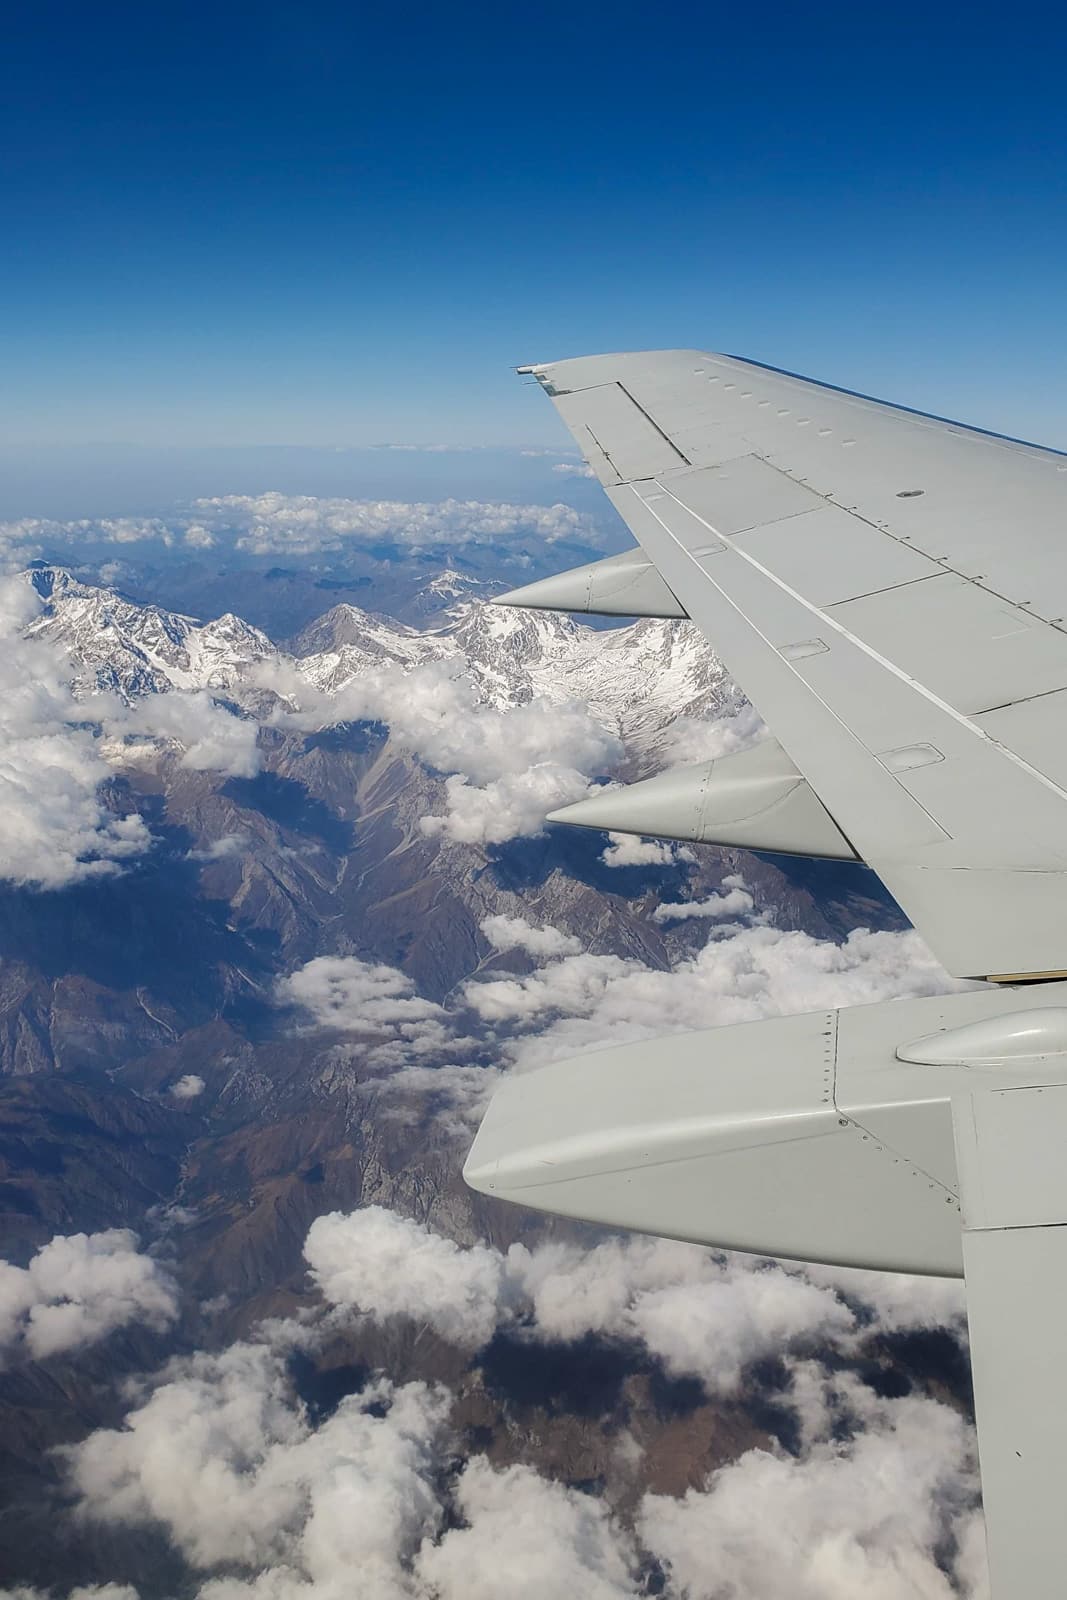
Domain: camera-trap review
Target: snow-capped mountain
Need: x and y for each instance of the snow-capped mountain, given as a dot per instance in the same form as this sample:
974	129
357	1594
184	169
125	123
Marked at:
136	650
636	680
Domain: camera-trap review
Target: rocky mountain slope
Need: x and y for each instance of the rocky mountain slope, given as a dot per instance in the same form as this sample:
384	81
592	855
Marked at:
116	991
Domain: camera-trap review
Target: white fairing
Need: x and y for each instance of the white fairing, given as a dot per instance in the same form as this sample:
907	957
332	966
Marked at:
803	1137
619	586
755	799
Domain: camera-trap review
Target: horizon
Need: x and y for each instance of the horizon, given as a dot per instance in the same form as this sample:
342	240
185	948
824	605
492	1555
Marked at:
337	229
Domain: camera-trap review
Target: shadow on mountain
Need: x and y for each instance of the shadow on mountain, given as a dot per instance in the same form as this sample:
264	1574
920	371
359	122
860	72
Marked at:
351	738
147	928
584	1378
843	882
521	864
290	805
932	1356
674	1397
323	1388
342	585
767	1402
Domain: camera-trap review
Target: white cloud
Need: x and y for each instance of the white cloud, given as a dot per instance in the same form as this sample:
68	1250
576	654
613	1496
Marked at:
515	933
527	1538
690	741
574	469
188	1087
82	1591
230	844
56	753
736	902
356	996
630	850
222	1457
304	524
867	1516
198	537
386	1265
752	972
210	738
54	830
509	767
270	1505
79	1288
507	808
377	1004
701	1315
576	984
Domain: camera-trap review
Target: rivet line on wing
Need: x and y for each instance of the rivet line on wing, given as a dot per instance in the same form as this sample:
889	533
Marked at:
869	651
848	733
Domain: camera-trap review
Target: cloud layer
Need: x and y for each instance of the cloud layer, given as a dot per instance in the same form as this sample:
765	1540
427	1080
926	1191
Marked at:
266	1503
78	1289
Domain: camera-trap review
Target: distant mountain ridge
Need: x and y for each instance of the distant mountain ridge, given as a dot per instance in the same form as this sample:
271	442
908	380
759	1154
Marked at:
636	679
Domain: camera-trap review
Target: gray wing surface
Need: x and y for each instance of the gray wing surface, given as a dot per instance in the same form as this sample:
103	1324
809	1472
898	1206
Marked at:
1013	1190
890	590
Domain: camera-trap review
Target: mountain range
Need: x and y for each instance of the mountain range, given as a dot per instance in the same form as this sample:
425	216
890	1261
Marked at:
157	1073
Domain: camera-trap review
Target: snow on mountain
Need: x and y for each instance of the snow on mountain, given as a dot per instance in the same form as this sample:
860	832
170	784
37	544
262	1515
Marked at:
636	680
136	650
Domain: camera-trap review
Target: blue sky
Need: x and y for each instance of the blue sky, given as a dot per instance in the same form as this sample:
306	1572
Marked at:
252	224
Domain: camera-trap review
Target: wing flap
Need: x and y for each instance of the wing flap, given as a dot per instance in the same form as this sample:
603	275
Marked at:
1013	1191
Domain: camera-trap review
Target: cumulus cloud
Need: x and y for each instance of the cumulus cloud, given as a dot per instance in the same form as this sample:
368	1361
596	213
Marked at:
508	767
210	738
574	469
515	933
864	1516
736	902
384	1264
301	525
512	807
54	828
356	996
304	524
57	753
692	740
222	1457
755	971
198	537
700	1314
631	850
230	844
525	1536
79	1288
82	1591
374	1002
189	1087
269	1504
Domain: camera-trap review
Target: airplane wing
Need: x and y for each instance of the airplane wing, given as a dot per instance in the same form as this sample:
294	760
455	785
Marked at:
890	591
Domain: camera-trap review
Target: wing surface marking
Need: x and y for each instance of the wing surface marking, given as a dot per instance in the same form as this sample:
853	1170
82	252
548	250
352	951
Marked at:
869	652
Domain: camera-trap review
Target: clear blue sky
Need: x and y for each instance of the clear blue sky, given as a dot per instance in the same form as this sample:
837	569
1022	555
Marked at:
324	224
